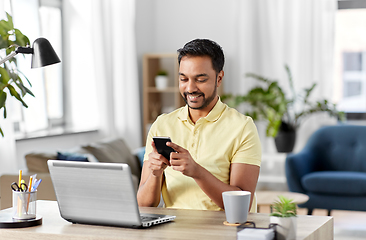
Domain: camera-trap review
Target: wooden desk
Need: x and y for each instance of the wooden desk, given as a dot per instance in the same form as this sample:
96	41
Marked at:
189	224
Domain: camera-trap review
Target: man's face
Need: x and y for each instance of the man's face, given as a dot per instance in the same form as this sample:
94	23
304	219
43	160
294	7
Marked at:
198	82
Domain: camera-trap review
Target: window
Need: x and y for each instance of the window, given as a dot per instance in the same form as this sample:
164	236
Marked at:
350	58
51	28
41	19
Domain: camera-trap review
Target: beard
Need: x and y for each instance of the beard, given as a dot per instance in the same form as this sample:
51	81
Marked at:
205	102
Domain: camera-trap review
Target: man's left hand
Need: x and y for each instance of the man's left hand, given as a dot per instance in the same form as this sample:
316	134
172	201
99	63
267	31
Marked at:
182	161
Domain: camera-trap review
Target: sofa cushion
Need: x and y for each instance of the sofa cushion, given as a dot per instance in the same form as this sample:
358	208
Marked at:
335	183
37	162
140	153
115	151
72	157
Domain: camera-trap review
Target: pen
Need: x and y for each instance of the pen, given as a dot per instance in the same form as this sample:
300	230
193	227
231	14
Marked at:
36	184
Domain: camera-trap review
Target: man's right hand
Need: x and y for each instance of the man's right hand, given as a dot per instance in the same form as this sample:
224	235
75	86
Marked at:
157	162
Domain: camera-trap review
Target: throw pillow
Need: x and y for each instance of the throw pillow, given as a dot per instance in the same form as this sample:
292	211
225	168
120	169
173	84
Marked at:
71	157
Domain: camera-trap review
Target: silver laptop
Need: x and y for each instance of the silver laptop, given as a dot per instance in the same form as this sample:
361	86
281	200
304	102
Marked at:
98	193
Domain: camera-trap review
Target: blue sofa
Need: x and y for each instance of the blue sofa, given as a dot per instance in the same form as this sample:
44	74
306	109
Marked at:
331	169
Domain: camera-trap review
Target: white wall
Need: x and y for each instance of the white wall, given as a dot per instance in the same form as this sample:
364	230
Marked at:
166	25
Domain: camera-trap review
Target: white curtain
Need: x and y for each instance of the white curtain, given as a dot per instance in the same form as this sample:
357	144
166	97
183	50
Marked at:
294	32
103	67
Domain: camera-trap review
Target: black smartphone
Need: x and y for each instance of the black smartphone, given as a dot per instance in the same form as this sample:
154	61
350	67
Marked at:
163	149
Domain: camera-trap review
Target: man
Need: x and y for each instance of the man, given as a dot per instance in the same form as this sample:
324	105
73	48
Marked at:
217	149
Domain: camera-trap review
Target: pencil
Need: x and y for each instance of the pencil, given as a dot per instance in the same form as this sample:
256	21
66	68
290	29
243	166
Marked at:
30	183
20	177
29	190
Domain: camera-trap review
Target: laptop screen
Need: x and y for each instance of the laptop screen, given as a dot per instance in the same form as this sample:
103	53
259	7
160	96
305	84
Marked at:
95	193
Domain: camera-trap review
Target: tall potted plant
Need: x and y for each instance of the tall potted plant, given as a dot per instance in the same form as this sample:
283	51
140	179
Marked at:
11	81
283	114
284	215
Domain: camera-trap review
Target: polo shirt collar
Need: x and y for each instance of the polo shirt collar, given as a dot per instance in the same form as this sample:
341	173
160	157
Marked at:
212	116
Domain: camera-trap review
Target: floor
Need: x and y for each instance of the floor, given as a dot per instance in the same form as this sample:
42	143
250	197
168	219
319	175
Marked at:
348	225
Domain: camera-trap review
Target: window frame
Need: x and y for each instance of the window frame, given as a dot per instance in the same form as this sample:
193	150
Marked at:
59	122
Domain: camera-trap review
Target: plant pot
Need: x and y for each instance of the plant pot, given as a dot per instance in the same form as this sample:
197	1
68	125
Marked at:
161	82
285	141
286	138
286	228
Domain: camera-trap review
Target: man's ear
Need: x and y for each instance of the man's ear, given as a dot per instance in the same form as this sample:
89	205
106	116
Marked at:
220	76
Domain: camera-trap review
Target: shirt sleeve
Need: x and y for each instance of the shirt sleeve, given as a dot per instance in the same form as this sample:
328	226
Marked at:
250	149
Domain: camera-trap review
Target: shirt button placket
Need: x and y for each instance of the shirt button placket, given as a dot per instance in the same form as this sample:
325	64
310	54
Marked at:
195	141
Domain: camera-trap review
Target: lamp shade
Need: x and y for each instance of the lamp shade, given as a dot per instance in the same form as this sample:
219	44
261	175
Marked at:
43	53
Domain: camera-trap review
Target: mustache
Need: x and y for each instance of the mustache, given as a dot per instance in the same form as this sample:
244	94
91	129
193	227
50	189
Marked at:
193	93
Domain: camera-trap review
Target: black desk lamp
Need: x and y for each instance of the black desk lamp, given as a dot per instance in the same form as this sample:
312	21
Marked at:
42	53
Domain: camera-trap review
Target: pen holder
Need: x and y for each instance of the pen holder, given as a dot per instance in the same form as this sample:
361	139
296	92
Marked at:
24	205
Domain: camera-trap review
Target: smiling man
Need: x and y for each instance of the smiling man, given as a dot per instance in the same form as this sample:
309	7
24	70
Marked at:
217	148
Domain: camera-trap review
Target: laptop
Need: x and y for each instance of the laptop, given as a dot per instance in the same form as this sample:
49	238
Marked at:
99	194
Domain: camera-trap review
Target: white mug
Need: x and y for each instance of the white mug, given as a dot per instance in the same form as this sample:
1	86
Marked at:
236	204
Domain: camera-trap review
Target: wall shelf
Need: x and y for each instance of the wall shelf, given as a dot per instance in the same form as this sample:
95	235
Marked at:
158	101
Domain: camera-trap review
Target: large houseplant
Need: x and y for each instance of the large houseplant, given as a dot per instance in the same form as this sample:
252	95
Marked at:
283	114
284	215
10	77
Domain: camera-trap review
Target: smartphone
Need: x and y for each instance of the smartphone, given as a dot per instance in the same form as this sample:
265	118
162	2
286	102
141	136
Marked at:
163	149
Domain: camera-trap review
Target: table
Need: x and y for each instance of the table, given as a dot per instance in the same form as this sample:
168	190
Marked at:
189	224
266	198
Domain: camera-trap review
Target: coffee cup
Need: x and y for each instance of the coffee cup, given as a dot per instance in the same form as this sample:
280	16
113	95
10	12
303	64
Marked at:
236	204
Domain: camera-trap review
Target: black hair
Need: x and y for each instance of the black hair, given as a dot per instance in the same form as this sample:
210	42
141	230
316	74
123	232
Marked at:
204	47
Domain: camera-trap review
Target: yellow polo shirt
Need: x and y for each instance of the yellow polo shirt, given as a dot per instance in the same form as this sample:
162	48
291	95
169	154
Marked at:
223	137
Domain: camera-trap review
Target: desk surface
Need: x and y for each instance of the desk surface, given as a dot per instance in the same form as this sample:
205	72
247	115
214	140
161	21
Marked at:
189	224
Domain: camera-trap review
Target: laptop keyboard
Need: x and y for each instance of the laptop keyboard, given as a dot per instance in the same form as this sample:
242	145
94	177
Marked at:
148	218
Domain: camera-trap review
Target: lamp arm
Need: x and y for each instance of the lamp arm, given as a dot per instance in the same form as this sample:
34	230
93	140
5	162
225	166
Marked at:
24	50
11	55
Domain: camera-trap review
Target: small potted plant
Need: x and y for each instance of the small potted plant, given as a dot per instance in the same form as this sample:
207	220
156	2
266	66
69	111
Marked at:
161	80
284	215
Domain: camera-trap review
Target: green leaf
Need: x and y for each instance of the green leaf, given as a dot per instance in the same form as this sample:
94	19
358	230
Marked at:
14	93
3	32
21	39
4	75
284	207
5	27
3	42
21	86
10	20
25	77
28	91
5	113
1	131
3	96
